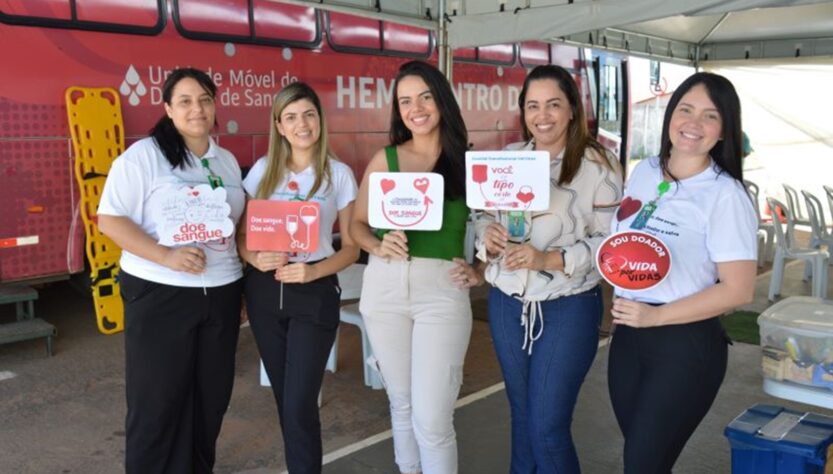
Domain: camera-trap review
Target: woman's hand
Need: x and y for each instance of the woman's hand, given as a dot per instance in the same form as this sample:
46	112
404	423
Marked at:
394	244
634	314
495	237
296	273
267	261
524	257
185	259
464	275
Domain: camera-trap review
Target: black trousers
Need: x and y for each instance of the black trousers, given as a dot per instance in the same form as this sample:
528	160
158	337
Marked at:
294	343
662	382
179	347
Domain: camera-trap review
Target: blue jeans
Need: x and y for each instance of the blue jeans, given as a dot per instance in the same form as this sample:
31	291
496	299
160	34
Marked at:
543	387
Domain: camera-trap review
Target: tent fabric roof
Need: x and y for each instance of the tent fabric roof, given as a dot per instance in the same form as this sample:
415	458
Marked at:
692	31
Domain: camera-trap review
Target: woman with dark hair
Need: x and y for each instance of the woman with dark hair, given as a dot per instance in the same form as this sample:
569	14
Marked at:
668	355
182	302
545	305
295	326
415	297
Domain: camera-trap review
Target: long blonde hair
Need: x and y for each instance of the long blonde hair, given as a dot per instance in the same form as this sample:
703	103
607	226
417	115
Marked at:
279	149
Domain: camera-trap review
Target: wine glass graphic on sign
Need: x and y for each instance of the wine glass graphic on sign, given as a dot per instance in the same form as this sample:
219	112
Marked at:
309	214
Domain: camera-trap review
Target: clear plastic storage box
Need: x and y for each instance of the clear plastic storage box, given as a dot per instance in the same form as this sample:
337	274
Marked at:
797	342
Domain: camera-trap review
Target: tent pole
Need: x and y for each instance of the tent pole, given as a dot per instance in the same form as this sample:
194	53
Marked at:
443	48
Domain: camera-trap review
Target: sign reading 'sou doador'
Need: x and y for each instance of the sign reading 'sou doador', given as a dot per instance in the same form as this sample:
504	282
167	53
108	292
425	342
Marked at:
633	261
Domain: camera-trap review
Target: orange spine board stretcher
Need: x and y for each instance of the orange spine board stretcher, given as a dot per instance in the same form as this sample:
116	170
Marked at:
97	128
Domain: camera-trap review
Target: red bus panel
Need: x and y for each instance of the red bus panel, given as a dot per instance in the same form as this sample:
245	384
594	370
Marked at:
58	9
134	12
465	54
534	53
350	32
285	22
226	17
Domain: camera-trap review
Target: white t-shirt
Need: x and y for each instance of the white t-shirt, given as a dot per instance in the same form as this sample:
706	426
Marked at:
331	198
704	220
141	177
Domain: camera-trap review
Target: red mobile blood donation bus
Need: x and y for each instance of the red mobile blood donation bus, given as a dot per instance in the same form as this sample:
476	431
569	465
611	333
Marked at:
251	48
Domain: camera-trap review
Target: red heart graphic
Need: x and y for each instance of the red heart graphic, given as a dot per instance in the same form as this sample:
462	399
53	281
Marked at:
421	184
195	193
387	185
627	208
525	197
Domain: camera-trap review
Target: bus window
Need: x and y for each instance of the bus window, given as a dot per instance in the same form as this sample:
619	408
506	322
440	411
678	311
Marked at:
534	53
210	16
352	33
407	40
497	54
278	21
135	12
465	54
57	9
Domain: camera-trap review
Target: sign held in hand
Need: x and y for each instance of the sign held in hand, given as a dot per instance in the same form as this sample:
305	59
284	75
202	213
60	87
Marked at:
193	214
508	180
282	226
633	261
411	201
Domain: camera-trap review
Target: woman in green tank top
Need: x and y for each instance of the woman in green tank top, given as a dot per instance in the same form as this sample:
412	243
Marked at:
415	295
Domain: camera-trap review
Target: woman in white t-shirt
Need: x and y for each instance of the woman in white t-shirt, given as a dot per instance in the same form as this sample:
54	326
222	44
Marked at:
669	351
181	302
293	299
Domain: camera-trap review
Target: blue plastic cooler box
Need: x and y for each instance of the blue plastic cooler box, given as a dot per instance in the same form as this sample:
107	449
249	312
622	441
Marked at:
795	443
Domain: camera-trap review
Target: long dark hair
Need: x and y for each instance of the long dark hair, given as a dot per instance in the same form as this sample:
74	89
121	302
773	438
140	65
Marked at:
578	135
164	133
726	153
453	135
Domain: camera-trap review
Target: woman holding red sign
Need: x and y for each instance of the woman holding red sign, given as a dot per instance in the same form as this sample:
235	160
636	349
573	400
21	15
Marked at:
293	299
415	297
669	351
181	302
545	306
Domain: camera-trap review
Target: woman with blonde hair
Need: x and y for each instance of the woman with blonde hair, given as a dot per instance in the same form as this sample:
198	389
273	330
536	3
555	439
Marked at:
293	298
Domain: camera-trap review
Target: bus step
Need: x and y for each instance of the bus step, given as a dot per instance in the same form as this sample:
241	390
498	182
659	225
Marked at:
23	297
28	329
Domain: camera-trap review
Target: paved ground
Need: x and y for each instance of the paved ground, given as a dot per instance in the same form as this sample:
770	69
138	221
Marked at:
65	414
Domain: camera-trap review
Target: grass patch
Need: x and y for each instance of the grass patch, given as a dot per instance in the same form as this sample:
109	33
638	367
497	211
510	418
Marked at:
742	326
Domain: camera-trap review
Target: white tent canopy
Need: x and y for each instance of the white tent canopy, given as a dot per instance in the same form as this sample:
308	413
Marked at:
691	31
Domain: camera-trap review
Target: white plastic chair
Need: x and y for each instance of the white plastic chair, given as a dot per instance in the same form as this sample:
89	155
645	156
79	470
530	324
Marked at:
766	230
829	192
785	248
818	225
794	206
350	280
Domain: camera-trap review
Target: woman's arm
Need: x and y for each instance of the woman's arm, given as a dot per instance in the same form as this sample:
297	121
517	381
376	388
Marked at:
129	236
348	253
394	244
735	288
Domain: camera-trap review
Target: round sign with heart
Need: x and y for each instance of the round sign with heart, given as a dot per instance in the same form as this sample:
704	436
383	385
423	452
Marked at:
633	261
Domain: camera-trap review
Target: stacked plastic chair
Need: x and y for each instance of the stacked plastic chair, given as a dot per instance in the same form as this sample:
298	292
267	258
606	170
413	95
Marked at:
766	230
97	129
818	224
786	248
794	205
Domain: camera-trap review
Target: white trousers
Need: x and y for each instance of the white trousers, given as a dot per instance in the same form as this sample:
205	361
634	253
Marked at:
419	325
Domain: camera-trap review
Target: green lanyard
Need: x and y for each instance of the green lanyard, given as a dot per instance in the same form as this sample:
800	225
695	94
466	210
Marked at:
642	218
213	180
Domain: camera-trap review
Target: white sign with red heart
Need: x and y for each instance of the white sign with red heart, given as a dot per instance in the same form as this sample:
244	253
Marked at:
193	214
410	201
508	180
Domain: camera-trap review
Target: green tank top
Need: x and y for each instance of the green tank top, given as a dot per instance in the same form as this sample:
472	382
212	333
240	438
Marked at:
445	243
